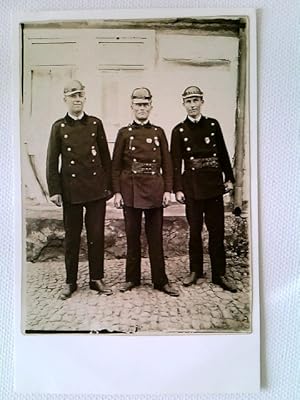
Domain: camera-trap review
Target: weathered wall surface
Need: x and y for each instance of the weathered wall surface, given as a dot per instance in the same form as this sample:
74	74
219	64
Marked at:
45	238
111	62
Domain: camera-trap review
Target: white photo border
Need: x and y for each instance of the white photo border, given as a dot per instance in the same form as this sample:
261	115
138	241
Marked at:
139	364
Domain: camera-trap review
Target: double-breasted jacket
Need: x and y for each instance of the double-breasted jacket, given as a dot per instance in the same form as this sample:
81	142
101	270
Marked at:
78	160
201	148
142	165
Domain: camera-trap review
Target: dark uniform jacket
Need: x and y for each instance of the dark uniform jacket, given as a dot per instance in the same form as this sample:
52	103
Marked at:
141	144
85	171
202	140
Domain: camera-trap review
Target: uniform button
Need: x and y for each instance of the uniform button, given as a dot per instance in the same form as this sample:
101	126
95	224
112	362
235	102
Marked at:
188	149
93	160
214	154
152	173
193	169
94	122
62	125
134	172
133	148
66	136
95	173
131	137
185	139
213	134
72	162
214	145
73	175
92	147
155	129
191	158
134	160
154	148
130	129
69	148
181	129
93	134
153	160
212	124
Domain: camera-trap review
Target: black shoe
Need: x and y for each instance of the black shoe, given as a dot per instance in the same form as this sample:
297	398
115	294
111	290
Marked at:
168	289
68	290
225	284
100	287
127	286
190	279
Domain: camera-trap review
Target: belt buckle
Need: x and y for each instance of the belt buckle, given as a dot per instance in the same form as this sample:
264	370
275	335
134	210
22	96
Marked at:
146	168
142	168
200	163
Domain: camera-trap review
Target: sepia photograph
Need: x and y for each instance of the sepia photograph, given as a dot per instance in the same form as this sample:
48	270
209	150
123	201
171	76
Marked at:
136	176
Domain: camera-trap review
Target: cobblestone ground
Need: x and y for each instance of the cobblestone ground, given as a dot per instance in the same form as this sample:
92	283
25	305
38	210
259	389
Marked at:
203	307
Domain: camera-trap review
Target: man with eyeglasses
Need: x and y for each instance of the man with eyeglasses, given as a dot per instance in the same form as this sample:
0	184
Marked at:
78	177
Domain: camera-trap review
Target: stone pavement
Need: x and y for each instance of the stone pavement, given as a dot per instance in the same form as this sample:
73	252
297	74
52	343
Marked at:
203	307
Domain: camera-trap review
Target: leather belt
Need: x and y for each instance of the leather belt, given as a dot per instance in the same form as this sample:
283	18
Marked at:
145	168
198	163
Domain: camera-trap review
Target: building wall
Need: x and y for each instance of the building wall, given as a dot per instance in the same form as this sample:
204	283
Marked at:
111	62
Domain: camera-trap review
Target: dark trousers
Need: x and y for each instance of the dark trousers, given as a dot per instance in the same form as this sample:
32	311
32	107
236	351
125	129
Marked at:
212	212
94	223
153	229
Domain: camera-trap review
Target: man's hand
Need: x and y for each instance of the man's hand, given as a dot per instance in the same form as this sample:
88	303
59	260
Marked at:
228	187
118	200
180	197
166	199
56	199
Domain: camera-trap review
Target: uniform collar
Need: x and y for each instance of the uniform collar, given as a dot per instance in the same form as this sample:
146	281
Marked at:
69	120
192	124
80	116
146	124
195	120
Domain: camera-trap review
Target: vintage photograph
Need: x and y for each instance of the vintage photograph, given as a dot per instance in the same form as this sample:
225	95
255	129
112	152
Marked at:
136	176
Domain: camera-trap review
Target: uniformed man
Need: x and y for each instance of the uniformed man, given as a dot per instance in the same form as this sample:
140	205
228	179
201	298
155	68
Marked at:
142	182
78	143
199	143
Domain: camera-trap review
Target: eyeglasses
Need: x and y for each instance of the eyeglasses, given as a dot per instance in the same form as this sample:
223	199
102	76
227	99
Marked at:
77	94
146	105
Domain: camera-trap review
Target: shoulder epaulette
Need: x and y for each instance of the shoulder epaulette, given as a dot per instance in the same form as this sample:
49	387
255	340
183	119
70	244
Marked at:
59	121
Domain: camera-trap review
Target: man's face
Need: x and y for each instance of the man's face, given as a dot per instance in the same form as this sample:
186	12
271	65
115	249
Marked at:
75	102
141	110
193	106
